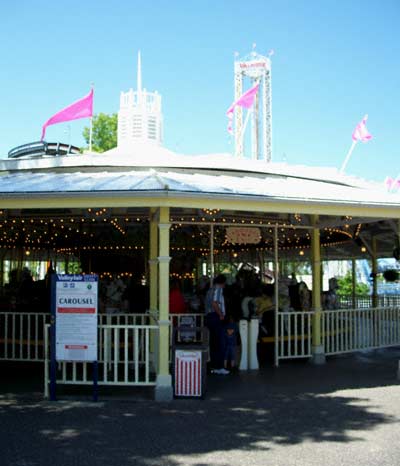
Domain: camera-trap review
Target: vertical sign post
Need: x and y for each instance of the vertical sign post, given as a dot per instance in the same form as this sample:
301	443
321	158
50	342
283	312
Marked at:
74	323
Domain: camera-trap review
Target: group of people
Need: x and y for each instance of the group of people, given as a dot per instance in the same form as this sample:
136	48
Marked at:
23	294
225	306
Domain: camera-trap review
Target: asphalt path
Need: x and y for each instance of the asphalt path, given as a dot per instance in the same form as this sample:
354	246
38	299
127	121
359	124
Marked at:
344	413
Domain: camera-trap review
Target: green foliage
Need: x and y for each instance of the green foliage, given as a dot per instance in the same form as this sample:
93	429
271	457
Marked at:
346	286
295	267
104	132
74	267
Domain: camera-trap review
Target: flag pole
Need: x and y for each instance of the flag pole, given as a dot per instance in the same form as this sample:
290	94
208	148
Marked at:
346	160
90	134
91	127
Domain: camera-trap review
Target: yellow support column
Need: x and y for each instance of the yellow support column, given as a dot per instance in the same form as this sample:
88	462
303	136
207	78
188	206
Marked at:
353	282
318	354
153	281
163	390
374	274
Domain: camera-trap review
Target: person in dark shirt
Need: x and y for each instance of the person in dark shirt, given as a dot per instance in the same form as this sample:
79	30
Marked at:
231	332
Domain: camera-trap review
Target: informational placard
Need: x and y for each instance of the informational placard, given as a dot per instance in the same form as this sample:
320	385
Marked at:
76	317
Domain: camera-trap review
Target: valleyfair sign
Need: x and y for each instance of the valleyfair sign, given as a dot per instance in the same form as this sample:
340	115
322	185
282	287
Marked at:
243	235
253	68
252	64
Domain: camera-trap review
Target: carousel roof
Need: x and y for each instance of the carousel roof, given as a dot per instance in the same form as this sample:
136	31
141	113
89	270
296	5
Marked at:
151	168
351	211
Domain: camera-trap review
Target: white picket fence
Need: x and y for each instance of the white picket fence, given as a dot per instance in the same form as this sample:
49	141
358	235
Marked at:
294	335
128	342
344	331
22	336
124	358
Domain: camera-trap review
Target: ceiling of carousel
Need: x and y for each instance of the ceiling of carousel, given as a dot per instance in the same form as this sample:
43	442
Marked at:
124	231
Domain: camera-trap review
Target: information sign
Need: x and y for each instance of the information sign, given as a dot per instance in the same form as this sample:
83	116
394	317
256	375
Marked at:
76	317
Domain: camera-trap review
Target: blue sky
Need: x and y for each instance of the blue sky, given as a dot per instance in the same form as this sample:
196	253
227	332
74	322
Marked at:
334	61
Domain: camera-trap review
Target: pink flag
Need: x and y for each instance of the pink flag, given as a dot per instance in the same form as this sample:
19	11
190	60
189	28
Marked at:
246	100
82	108
392	184
360	132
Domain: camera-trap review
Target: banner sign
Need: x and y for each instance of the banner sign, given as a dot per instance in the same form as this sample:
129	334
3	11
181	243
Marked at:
76	317
243	235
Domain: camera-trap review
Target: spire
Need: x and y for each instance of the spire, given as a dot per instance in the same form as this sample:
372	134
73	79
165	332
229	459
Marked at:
139	115
139	74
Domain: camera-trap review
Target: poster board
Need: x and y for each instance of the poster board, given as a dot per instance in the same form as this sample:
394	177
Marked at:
75	313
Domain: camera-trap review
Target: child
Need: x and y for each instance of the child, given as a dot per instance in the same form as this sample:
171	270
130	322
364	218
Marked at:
231	332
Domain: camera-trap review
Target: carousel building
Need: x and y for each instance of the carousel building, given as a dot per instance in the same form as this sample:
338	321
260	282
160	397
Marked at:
147	211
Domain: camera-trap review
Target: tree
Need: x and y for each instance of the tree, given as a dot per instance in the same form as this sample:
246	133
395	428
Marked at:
346	286
104	132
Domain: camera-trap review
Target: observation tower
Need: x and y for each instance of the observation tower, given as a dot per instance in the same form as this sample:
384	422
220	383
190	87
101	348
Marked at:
139	116
255	68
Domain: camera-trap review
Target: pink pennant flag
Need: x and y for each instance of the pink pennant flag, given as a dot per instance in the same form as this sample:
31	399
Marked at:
392	184
246	100
360	132
82	108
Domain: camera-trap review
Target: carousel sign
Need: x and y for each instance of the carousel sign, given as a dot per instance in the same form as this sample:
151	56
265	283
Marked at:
76	317
243	235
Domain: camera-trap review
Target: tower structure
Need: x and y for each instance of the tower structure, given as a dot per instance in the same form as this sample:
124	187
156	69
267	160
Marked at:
257	69
139	116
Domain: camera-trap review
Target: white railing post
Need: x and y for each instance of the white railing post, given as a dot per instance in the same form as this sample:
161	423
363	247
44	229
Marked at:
253	336
46	328
244	332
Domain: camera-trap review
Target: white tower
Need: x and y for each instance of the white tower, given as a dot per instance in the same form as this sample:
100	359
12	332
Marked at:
258	69
139	116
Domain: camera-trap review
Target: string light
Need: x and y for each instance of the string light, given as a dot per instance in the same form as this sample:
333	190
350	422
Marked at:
46	233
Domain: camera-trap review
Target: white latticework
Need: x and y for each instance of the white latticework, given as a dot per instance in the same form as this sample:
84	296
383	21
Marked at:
139	116
256	68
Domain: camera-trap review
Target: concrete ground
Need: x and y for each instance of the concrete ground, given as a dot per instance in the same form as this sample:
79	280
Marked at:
344	413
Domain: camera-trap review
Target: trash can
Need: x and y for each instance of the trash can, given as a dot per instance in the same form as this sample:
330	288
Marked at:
189	361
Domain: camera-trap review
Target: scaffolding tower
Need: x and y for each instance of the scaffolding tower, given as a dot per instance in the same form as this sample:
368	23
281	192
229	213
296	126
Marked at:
257	68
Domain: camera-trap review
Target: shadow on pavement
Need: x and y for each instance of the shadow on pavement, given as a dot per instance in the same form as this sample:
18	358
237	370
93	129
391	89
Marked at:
244	412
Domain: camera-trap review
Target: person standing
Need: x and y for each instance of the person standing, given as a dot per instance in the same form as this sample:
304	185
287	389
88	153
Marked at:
215	315
177	303
231	333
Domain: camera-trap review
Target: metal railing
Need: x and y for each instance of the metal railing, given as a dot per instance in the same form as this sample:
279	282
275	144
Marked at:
350	330
124	358
294	335
364	302
124	319
22	336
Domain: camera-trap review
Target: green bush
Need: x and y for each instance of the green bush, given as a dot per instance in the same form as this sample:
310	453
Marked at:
346	286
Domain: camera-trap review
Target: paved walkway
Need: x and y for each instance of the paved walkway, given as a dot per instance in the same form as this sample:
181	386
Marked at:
344	413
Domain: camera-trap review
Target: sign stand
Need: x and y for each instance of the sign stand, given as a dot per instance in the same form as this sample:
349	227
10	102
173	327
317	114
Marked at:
95	380
74	323
53	361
